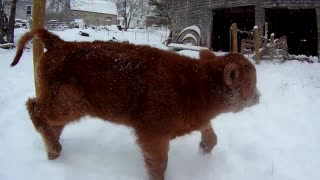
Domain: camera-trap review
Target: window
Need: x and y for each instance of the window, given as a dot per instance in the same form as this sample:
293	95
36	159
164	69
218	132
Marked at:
29	10
108	20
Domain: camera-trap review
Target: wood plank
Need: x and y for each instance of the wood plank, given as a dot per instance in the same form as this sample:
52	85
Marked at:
178	47
7	46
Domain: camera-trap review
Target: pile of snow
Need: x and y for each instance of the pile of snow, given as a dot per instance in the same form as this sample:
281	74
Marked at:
113	28
277	139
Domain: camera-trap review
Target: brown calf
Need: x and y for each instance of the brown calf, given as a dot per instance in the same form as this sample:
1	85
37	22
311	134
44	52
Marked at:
160	94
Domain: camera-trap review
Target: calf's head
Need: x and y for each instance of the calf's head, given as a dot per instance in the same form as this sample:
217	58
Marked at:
232	80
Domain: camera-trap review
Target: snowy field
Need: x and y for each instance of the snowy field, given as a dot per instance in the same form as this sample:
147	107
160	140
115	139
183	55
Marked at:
278	139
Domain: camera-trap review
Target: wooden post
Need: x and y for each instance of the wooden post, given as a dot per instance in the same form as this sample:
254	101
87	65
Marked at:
272	45
265	34
230	39
209	33
234	38
318	25
38	13
272	39
256	44
242	45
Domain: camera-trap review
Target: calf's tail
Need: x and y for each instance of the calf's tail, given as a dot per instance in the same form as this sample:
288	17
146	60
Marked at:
48	40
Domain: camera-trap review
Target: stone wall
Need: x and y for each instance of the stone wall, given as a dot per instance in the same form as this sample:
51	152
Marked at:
90	18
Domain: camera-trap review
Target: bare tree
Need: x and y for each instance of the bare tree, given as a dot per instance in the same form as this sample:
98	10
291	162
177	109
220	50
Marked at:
11	22
58	9
7	26
163	10
3	23
127	9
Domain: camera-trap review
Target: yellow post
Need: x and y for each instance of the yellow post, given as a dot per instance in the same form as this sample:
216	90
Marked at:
38	14
234	38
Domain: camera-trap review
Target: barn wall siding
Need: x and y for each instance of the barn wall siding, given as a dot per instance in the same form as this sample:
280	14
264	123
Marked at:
91	18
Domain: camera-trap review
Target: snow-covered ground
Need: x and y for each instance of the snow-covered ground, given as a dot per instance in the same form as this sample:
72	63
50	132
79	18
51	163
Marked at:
278	139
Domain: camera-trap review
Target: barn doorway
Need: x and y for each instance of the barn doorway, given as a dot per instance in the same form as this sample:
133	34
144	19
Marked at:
223	18
300	27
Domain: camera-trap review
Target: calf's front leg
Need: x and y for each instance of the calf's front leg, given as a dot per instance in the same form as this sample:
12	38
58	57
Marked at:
155	153
208	139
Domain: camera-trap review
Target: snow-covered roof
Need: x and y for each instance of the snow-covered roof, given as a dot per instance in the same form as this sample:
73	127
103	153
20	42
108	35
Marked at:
97	6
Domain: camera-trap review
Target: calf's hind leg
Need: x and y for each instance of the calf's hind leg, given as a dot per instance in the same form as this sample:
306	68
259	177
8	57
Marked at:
50	117
49	135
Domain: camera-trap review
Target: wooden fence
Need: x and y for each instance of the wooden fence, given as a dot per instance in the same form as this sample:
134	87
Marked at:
259	43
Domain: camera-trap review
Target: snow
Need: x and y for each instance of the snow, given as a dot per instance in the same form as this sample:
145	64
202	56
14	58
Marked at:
98	6
277	139
189	53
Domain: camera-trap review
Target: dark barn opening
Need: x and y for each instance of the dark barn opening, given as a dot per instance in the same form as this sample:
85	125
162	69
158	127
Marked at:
222	20
300	27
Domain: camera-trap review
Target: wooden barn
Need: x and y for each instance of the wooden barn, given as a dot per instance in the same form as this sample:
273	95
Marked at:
298	20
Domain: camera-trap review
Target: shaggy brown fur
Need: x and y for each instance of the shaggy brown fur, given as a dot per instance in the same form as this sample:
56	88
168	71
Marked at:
160	94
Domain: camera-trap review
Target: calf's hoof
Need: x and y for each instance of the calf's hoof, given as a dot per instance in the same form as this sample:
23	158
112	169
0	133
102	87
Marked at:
54	151
206	148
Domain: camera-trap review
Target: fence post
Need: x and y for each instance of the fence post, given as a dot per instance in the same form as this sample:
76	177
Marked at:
272	39
272	45
265	34
242	45
234	38
256	44
230	39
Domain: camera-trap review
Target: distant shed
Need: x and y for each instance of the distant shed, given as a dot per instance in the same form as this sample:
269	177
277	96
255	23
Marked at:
95	12
296	19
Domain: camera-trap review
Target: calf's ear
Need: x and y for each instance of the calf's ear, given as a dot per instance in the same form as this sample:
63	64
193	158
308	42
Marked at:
206	54
231	75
